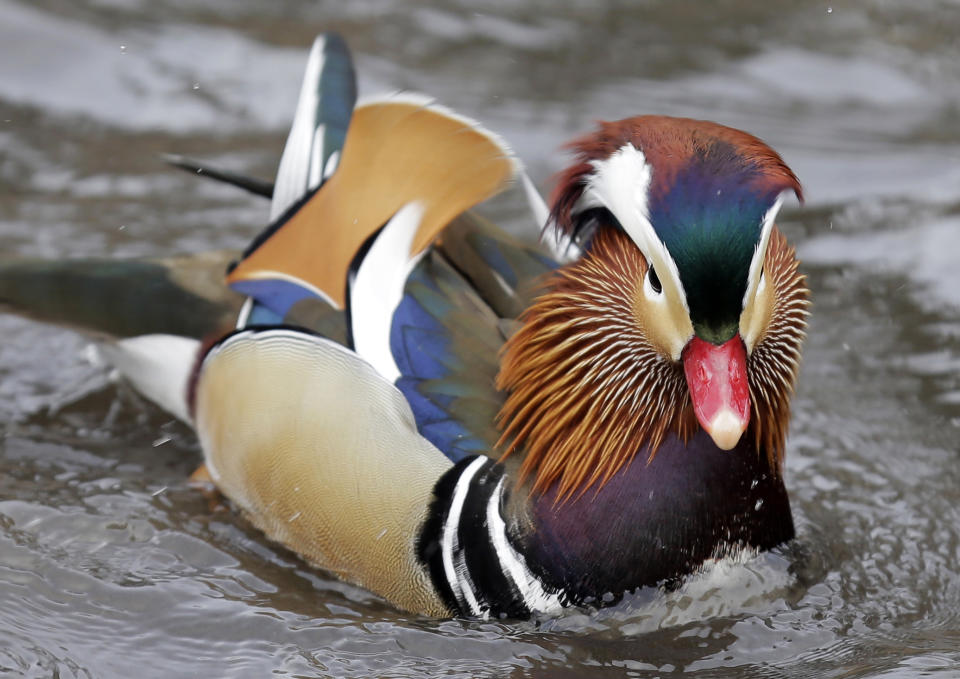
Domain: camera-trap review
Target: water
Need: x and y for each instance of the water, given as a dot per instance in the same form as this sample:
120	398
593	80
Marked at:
111	567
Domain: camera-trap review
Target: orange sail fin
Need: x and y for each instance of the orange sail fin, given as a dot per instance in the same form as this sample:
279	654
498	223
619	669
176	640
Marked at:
398	151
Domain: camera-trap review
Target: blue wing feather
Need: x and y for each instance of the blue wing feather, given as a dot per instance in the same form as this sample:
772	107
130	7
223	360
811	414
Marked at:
445	336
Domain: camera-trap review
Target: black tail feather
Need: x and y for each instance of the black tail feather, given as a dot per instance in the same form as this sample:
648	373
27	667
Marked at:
258	187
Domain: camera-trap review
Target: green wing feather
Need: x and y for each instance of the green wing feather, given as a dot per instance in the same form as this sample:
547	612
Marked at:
506	273
124	298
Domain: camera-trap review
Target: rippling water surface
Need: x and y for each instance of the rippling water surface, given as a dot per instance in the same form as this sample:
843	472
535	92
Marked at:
111	567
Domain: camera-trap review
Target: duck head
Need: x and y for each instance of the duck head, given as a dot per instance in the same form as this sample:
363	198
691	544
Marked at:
685	309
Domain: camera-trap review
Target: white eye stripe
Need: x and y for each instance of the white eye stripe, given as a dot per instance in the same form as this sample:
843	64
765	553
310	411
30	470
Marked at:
621	184
756	277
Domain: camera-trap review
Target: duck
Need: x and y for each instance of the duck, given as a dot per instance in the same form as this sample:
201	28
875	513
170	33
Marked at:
460	420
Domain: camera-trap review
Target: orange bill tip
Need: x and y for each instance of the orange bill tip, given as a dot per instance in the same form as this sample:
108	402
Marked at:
717	379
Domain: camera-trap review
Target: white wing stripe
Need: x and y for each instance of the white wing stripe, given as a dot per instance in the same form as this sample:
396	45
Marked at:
378	288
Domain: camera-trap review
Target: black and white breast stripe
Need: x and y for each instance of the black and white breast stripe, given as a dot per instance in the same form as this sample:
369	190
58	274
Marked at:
466	547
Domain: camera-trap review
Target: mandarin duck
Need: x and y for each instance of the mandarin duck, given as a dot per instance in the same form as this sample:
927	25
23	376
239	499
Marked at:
460	422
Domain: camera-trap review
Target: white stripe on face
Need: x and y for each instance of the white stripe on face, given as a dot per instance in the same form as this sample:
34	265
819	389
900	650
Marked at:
621	183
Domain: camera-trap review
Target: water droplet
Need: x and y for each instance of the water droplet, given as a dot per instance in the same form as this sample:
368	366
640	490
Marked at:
753	484
196	86
829	10
846	347
123	49
122	227
163	439
757	506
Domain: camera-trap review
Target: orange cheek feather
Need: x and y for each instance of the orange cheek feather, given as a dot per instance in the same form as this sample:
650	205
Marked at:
717	379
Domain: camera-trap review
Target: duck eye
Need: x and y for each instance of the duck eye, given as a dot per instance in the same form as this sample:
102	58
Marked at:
654	280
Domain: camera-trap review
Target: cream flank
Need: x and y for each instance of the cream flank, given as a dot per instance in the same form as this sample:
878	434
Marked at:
286	448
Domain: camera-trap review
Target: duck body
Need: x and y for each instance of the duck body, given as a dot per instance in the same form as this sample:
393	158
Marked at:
465	424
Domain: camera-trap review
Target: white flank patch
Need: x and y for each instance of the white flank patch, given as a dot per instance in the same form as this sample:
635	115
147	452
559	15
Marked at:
536	599
158	366
621	183
378	288
293	174
450	544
